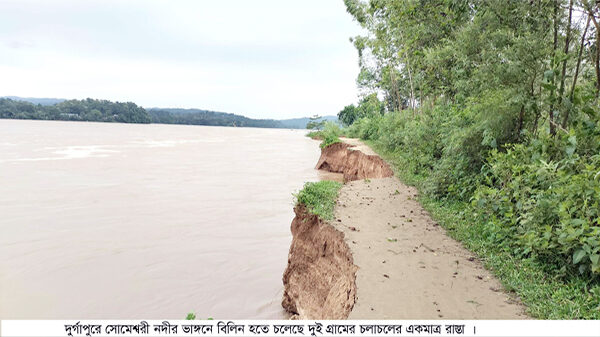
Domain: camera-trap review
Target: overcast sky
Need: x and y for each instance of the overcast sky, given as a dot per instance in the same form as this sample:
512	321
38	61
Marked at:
263	59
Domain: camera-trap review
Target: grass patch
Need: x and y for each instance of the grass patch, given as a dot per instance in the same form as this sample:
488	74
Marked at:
546	296
319	198
329	140
316	135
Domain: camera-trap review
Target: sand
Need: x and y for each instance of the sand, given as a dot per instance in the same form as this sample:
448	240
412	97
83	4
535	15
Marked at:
357	145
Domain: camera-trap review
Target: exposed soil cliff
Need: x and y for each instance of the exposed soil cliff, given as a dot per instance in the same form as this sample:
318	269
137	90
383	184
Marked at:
320	277
355	164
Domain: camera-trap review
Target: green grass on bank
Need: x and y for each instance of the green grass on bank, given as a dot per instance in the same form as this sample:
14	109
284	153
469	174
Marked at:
545	294
316	135
319	198
330	134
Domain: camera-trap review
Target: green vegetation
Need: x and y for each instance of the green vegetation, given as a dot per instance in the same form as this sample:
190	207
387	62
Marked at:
302	123
206	117
330	134
316	135
369	106
491	108
316	122
191	316
75	110
319	198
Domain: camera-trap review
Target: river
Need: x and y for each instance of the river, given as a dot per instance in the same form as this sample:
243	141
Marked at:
128	221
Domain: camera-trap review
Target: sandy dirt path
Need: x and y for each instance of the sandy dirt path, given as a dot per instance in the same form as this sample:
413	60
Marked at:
408	267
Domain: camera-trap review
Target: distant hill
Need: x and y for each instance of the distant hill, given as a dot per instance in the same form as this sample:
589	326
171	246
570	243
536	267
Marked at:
300	123
207	117
101	110
36	101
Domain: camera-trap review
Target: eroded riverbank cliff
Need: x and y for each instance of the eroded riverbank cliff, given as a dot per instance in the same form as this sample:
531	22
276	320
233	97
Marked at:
352	161
320	277
319	281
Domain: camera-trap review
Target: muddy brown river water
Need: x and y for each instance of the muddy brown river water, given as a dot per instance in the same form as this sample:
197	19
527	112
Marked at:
123	221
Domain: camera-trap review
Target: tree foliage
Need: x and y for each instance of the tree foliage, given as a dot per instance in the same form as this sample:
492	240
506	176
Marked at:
106	111
369	106
316	123
75	110
207	117
496	103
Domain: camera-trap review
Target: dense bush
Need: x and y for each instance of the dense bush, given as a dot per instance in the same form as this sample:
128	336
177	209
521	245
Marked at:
542	199
329	135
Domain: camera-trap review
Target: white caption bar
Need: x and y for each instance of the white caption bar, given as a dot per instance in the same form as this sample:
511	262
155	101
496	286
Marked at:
119	328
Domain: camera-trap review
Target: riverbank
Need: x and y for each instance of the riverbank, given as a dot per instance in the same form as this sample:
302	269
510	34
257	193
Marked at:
406	267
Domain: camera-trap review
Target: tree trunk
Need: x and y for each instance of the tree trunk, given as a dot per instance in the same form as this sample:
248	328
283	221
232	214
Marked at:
590	9
521	117
580	54
597	60
564	65
555	46
396	91
412	90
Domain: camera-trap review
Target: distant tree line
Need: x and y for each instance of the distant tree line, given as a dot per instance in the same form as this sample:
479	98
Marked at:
206	117
92	110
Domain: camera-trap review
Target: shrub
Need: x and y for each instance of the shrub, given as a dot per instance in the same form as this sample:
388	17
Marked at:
543	200
319	198
329	135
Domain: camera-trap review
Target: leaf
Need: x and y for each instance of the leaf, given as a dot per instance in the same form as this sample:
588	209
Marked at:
594	258
578	255
577	222
548	86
